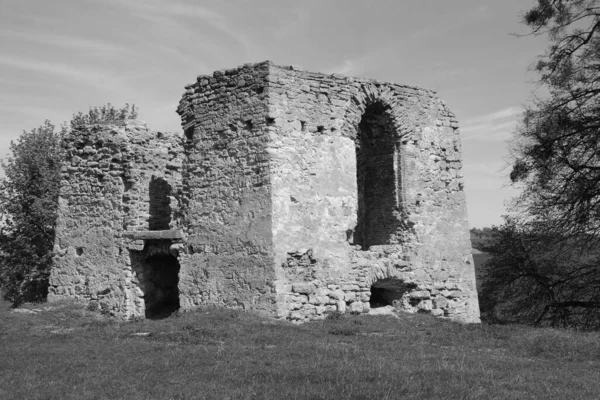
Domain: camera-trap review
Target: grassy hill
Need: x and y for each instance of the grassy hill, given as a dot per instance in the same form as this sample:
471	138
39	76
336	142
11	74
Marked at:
66	352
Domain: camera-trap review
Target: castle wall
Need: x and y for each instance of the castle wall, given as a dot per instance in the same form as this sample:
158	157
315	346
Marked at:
227	191
408	189
292	193
108	182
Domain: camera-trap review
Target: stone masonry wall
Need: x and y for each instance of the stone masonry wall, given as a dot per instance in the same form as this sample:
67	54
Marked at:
106	190
361	192
331	132
227	194
290	192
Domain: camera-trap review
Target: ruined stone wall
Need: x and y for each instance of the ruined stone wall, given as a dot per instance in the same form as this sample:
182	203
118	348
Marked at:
292	193
367	175
107	190
227	195
360	192
153	181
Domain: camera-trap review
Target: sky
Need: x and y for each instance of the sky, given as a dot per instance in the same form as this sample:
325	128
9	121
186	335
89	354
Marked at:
62	56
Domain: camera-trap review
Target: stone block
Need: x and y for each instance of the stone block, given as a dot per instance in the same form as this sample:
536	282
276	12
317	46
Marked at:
296	315
436	312
456	294
303	287
440	302
356	306
420	294
425	305
336	294
317	300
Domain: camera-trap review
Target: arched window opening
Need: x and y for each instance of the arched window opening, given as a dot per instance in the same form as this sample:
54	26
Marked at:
377	173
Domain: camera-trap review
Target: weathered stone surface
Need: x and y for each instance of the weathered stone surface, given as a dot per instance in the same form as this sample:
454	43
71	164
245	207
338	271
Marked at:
303	288
119	179
296	193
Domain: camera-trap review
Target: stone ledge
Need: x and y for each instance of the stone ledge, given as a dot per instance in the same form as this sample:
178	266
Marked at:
148	235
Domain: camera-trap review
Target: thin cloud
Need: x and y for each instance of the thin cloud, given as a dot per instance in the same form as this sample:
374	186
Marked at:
289	21
363	63
357	66
485	170
171	14
68	42
496	126
485	179
67	72
40	113
504	113
348	67
183	56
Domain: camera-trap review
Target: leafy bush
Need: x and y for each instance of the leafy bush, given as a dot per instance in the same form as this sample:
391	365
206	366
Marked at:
104	113
29	203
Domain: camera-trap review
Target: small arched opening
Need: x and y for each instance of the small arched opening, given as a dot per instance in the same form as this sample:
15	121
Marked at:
389	292
160	281
378	178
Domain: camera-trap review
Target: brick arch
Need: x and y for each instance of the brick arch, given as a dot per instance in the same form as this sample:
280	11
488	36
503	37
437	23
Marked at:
400	114
379	272
387	287
372	215
369	94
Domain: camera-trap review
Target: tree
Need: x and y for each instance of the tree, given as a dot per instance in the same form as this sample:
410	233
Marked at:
544	265
557	146
539	279
29	203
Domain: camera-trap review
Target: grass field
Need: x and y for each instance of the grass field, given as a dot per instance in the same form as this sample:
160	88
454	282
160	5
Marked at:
70	353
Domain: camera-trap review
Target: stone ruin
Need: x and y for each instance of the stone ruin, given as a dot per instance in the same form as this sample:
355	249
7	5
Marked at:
290	193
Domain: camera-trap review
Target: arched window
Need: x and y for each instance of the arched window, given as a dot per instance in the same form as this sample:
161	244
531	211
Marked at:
378	178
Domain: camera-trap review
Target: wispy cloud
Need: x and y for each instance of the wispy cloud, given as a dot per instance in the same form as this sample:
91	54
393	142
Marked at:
39	113
348	67
360	64
69	42
496	126
100	79
386	50
173	15
486	175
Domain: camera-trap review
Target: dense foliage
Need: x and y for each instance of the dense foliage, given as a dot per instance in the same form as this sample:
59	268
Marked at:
29	203
544	265
103	114
557	147
538	279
